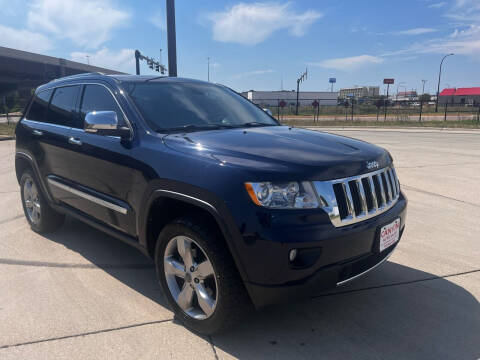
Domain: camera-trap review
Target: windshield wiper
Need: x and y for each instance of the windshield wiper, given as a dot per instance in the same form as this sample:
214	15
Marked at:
191	127
254	123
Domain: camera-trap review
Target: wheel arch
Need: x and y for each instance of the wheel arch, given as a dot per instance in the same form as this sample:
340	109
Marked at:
171	205
24	161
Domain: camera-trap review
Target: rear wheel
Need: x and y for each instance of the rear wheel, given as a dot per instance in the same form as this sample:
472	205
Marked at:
41	217
198	277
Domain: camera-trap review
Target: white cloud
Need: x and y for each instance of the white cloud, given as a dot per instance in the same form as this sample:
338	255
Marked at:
122	60
437	5
253	73
349	63
252	23
159	21
24	40
88	23
416	31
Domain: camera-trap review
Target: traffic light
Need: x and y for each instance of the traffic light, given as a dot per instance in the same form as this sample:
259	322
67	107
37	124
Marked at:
157	67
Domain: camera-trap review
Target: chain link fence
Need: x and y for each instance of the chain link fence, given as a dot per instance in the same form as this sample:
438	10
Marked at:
379	111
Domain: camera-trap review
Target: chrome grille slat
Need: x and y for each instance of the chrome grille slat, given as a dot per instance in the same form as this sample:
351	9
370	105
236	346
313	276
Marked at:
363	199
397	184
380	198
374	194
382	190
389	186
348	196
392	181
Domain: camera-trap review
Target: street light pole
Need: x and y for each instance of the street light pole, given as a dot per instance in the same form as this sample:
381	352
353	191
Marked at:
421	100
439	76
299	80
208	71
172	39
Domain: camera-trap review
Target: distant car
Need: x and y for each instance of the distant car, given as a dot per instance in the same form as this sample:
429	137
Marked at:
233	207
268	111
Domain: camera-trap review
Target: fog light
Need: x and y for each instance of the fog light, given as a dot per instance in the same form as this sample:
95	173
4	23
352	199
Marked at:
292	255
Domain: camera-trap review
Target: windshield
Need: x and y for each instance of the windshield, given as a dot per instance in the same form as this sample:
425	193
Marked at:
170	106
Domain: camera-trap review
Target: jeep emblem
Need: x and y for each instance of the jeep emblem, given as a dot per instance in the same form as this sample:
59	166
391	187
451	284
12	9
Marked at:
372	165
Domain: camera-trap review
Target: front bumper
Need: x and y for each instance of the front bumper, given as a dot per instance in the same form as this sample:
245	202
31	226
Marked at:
339	254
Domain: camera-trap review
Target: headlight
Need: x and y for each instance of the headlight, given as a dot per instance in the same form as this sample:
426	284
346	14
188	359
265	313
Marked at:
290	195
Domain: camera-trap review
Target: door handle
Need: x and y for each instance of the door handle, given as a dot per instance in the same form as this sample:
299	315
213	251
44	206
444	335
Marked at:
75	141
37	132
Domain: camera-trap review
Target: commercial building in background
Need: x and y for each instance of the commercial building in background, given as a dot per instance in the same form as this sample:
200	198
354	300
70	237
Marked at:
403	96
460	96
359	92
272	98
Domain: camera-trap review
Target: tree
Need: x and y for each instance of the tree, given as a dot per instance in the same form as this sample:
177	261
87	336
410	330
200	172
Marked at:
425	98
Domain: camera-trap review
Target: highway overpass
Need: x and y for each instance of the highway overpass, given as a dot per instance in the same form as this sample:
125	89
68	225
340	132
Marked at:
22	71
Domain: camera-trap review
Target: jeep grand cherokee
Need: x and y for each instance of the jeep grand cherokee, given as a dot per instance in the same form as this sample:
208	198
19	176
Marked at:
234	208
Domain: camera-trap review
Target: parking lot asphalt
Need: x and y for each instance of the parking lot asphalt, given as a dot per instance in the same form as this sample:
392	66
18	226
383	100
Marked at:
80	294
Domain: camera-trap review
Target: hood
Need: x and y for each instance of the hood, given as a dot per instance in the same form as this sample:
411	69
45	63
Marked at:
283	149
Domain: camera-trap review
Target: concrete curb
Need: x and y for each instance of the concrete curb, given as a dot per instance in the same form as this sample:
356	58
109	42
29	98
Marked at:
4	138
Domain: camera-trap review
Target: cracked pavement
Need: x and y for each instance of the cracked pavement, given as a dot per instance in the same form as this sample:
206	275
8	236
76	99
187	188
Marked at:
80	294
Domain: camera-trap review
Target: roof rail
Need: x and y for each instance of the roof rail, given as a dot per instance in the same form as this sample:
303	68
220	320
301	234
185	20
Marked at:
76	76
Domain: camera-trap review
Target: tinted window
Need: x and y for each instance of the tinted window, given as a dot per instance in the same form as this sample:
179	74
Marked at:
62	106
172	105
98	98
39	106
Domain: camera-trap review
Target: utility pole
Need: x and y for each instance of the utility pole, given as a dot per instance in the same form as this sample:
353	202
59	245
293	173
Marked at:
385	118
439	75
137	62
172	39
299	80
88	59
421	100
208	71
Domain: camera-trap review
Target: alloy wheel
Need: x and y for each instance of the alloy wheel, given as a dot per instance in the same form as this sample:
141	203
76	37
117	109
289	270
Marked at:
190	277
32	201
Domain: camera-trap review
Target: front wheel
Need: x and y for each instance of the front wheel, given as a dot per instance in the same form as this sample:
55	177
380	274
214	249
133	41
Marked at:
198	277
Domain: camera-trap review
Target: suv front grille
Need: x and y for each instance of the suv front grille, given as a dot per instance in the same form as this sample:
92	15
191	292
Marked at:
358	198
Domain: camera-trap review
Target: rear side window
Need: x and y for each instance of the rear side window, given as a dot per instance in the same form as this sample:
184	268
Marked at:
98	98
39	106
62	106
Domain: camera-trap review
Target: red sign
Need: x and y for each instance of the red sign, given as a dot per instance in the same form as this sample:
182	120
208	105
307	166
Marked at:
282	103
315	103
389	81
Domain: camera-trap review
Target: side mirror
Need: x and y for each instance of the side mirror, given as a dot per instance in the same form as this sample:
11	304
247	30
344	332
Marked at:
104	123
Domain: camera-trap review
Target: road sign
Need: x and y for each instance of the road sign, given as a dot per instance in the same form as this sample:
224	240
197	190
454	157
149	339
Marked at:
282	103
332	80
388	81
315	103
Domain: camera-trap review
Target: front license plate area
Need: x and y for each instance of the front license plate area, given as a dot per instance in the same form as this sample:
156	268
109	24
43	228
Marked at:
389	234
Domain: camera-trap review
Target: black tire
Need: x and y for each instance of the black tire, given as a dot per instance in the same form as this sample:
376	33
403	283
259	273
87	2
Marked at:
49	220
232	301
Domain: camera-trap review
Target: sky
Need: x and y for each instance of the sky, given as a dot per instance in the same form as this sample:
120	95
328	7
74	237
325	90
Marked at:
262	45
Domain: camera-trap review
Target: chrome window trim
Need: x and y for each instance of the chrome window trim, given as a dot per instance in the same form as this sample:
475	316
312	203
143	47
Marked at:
114	98
326	194
366	271
89	197
80	104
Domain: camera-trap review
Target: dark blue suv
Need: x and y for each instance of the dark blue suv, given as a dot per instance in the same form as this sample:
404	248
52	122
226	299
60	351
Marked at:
234	208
